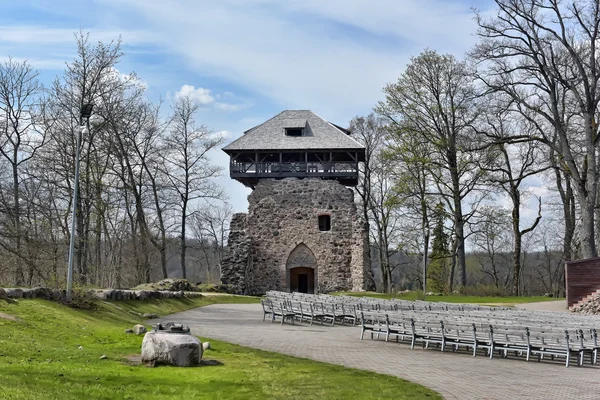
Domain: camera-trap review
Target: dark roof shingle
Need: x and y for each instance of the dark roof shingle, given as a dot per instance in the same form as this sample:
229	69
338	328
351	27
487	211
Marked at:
318	134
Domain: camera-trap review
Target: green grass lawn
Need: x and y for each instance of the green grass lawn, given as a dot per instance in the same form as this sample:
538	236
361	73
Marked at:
40	358
455	298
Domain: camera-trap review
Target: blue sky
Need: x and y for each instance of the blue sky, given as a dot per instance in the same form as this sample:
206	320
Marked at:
247	60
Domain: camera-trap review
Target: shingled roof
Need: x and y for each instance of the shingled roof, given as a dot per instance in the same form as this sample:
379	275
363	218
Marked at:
318	134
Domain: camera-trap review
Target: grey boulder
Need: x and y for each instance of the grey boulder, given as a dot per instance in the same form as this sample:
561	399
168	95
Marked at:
178	349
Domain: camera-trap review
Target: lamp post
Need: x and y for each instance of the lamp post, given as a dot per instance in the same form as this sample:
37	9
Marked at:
86	112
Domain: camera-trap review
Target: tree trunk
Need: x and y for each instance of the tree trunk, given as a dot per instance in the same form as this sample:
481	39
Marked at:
19	276
183	242
459	222
452	266
587	237
425	233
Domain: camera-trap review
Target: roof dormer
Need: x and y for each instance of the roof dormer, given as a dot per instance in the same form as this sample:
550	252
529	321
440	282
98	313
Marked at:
294	127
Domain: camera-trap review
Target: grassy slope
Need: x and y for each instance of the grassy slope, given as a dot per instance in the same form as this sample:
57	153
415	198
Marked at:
508	300
40	359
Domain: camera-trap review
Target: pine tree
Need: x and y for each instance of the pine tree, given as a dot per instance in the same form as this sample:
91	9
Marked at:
438	271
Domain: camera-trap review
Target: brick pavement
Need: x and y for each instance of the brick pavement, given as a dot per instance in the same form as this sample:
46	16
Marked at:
453	375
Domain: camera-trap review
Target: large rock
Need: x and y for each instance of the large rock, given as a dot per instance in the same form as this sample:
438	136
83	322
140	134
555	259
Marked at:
164	347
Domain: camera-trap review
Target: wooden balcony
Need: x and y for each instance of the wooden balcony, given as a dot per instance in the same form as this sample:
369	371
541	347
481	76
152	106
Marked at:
250	172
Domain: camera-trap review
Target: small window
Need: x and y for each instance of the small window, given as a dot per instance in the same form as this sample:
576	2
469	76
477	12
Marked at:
324	222
294	131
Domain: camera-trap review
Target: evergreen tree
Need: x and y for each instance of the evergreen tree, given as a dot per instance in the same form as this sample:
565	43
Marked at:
439	268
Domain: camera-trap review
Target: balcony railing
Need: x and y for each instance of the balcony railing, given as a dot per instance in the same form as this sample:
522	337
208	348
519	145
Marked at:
270	169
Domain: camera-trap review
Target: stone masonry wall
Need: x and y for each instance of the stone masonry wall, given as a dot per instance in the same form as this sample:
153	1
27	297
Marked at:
282	215
236	262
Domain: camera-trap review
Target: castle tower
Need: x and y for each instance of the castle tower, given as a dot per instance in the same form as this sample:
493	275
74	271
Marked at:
302	232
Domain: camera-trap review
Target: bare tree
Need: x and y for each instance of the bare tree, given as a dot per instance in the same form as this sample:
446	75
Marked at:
20	140
188	165
413	169
210	226
436	98
492	237
535	49
370	132
509	167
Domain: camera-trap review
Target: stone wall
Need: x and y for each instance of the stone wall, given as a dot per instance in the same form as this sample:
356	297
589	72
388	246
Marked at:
101	294
236	262
283	215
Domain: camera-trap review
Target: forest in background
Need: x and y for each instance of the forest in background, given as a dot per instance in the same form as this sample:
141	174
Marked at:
481	171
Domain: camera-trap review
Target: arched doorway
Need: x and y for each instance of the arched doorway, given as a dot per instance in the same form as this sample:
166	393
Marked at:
302	279
301	270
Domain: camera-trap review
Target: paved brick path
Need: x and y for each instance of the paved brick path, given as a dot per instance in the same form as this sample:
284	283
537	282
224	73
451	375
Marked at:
552	305
455	376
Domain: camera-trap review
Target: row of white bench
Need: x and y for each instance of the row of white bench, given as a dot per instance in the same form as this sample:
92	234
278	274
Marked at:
491	338
567	320
309	312
373	304
493	329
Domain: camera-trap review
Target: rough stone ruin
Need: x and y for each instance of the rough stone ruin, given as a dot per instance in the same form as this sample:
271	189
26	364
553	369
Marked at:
302	232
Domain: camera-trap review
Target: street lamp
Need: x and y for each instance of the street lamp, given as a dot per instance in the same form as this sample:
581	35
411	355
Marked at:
86	113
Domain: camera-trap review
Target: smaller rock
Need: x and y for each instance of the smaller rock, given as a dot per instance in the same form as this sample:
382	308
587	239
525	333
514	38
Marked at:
139	329
141	295
206	346
14	293
4	296
150	316
128	330
103	357
80	347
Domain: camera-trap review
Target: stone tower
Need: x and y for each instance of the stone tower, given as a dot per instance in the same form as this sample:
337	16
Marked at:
302	232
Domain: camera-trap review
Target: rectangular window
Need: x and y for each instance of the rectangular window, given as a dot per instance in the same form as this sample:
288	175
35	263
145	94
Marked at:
324	223
294	131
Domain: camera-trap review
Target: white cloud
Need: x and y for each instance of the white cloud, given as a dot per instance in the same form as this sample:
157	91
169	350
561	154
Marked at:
230	107
36	35
333	57
224	134
204	97
200	96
